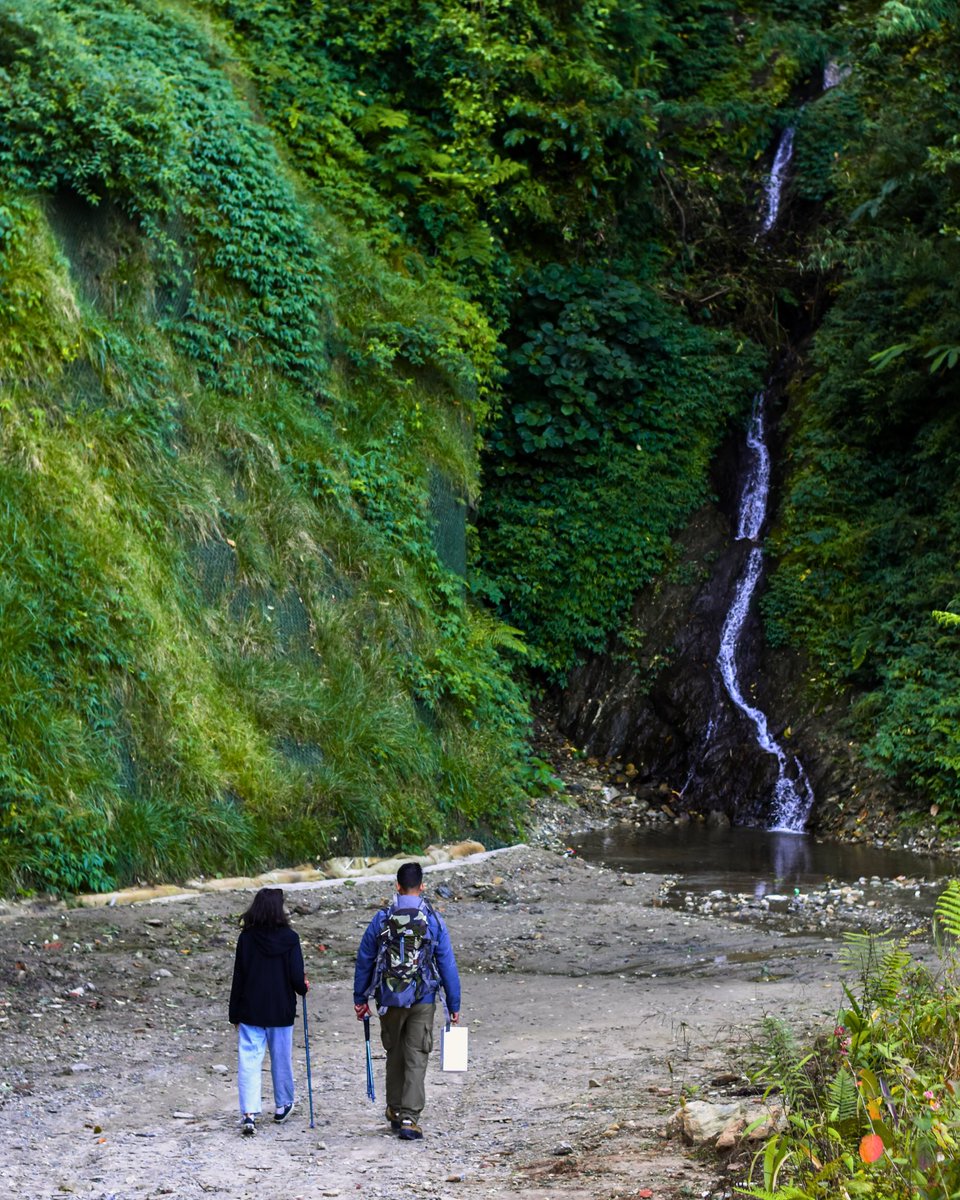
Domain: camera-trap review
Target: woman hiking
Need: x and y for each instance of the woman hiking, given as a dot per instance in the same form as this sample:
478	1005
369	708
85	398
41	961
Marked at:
267	978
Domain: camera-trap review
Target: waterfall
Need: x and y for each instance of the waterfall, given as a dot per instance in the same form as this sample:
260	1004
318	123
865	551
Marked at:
775	180
792	793
834	74
792	796
704	743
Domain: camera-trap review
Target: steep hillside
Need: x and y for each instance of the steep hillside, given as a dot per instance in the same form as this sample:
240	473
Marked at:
237	447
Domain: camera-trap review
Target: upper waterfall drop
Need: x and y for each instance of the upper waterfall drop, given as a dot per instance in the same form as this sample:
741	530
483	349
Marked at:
834	74
775	180
792	793
756	487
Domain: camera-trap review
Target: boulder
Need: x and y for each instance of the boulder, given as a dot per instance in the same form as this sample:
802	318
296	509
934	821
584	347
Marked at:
699	1121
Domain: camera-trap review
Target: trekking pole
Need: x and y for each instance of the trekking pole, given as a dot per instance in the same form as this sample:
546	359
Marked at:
306	1044
371	1094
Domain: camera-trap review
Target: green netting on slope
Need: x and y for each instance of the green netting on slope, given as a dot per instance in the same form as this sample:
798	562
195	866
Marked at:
216	567
448	510
305	754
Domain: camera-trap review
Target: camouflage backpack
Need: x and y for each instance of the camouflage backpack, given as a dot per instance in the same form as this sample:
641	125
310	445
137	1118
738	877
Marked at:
405	970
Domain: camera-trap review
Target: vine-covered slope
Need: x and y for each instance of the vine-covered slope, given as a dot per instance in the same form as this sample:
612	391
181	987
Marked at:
232	432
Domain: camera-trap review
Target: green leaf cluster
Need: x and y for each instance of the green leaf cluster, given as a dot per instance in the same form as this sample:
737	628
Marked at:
605	451
481	135
873	1107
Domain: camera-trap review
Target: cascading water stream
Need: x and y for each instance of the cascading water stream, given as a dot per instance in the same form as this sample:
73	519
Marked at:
792	793
834	74
775	180
792	797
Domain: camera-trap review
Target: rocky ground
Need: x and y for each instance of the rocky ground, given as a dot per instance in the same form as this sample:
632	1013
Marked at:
593	1007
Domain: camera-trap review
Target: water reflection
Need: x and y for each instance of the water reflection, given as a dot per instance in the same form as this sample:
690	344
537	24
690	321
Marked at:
791	862
747	861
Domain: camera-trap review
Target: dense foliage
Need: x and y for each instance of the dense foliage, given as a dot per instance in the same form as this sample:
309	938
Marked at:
872	1108
617	403
282	281
868	580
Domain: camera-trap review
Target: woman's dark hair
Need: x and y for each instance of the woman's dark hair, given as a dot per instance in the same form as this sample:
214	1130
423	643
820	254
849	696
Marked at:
266	910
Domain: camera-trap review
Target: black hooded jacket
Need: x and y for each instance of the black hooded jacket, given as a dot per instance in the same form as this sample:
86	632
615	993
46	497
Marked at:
267	971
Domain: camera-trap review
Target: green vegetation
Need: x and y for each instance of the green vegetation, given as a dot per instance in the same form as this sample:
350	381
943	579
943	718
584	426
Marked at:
870	518
872	1108
618	405
231	638
355	362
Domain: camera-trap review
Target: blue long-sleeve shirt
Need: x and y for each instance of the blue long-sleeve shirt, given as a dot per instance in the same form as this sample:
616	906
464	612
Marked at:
444	960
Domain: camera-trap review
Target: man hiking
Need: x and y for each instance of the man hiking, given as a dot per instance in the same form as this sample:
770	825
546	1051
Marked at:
405	957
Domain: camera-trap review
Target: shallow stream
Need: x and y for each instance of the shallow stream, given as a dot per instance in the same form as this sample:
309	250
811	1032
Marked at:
743	870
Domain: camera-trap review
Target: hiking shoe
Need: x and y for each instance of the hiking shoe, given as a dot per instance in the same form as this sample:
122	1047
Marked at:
248	1126
282	1113
410	1131
393	1117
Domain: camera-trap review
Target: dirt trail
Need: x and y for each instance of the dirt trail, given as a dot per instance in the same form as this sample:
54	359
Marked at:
590	1010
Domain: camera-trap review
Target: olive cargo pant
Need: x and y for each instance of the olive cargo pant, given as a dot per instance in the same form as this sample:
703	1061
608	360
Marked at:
407	1036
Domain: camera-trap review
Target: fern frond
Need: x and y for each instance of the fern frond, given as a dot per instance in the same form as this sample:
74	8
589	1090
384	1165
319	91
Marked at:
893	968
856	951
787	1065
881	964
946	913
378	116
842	1098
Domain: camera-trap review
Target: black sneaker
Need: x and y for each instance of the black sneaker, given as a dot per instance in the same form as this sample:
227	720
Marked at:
248	1126
393	1117
410	1131
281	1115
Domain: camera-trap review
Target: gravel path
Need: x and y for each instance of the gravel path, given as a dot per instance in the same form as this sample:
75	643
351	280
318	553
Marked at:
591	1010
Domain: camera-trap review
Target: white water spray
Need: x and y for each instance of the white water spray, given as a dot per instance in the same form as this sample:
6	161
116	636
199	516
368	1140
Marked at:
792	794
834	74
773	189
704	742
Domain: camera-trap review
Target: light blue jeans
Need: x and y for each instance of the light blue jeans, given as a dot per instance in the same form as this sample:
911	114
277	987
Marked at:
252	1042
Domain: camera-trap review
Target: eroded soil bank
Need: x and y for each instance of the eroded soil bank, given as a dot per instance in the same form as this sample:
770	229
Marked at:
591	1010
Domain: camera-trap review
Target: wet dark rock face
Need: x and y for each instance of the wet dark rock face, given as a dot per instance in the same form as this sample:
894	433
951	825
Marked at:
655	699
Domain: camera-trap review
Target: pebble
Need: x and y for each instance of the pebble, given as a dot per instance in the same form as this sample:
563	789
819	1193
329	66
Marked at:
820	906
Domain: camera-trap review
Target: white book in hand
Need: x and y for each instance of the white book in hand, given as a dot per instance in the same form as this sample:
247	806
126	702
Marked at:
453	1048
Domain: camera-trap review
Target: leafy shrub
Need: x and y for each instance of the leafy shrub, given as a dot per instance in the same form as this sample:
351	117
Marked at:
874	1106
619	406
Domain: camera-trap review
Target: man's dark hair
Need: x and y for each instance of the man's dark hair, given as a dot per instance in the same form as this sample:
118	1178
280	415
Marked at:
266	910
410	876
